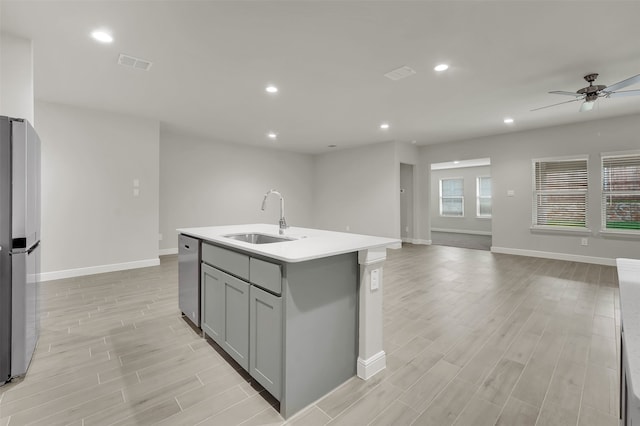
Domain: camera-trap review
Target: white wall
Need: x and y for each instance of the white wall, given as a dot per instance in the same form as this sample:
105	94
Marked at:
16	77
208	183
91	221
511	156
470	222
358	188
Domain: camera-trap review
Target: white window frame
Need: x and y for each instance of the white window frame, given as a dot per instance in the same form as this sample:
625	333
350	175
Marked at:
604	194
479	197
461	197
582	192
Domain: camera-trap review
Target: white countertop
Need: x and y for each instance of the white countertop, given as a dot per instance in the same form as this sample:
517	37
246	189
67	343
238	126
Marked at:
309	244
629	281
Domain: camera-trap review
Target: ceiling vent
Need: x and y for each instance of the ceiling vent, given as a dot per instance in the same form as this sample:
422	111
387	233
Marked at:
132	62
400	73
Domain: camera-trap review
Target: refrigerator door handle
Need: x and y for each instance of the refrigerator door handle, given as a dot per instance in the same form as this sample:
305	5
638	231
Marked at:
33	247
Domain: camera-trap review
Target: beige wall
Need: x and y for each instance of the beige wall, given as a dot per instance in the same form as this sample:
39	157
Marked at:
91	220
357	190
16	77
511	156
208	183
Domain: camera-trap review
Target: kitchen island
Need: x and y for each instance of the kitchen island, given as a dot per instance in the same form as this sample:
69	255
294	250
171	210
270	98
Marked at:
301	312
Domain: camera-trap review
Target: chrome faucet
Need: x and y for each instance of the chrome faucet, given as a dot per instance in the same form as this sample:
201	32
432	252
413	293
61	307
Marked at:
282	222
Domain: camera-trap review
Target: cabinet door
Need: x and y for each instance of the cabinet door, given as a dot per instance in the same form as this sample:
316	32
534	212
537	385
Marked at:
212	293
236	319
265	334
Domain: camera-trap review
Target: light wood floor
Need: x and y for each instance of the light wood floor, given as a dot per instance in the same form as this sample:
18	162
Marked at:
473	338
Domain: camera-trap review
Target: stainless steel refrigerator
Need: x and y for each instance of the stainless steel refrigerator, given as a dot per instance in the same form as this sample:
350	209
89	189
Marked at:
19	245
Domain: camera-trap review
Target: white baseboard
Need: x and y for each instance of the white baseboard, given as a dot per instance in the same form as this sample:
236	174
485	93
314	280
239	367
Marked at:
461	231
395	246
367	368
79	272
416	241
558	256
164	252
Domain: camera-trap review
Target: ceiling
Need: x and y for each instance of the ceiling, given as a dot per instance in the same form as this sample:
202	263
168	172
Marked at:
213	59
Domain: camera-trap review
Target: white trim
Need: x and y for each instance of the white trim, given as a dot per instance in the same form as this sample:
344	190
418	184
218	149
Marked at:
100	269
461	231
395	246
556	256
424	242
619	233
415	241
164	252
567	230
368	368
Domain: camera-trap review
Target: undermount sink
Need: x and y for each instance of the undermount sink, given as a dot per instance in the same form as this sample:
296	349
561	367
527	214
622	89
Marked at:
259	238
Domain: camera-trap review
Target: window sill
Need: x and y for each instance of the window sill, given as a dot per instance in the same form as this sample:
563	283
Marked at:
567	230
483	217
620	233
458	217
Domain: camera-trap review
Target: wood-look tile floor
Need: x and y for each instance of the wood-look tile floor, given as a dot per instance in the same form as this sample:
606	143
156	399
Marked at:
473	338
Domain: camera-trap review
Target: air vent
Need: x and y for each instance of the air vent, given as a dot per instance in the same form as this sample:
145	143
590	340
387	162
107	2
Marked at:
400	73
132	62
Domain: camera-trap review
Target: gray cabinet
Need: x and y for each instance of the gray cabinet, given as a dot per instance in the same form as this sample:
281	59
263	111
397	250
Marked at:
265	340
226	312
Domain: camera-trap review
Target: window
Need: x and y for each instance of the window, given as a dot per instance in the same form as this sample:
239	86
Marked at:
621	192
452	197
560	193
483	196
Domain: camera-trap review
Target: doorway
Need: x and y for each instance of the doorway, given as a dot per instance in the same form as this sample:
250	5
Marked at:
406	203
460	200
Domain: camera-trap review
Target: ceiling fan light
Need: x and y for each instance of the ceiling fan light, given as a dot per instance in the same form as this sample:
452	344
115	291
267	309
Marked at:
587	106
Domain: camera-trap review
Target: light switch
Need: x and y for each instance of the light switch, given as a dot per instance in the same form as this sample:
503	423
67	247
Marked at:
375	279
136	192
511	193
136	183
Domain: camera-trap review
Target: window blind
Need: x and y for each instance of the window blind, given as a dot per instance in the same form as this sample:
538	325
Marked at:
560	193
621	192
452	197
483	196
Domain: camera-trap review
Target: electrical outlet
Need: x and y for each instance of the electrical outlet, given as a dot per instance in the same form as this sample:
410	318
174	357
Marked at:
348	228
584	242
159	237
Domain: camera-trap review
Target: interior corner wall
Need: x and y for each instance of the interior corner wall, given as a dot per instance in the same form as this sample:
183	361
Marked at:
511	156
16	77
357	190
470	222
91	219
209	183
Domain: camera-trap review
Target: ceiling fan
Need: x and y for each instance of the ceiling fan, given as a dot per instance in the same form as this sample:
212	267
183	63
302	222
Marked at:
590	93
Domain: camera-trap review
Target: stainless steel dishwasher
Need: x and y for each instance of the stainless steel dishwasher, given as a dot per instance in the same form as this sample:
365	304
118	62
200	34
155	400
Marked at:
189	278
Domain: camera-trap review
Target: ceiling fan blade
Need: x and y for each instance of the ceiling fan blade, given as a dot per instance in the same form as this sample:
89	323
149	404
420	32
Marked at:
562	92
623	93
624	83
560	103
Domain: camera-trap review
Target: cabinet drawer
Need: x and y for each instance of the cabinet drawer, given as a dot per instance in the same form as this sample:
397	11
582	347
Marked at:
226	260
266	275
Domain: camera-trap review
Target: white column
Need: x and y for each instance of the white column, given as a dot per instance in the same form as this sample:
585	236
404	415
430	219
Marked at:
371	356
16	77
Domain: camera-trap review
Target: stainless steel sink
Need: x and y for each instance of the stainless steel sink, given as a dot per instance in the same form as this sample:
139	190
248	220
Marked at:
258	238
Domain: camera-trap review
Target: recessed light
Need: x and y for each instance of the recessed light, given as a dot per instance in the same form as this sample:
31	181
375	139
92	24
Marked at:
102	36
441	67
271	89
384	126
508	120
272	135
456	162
